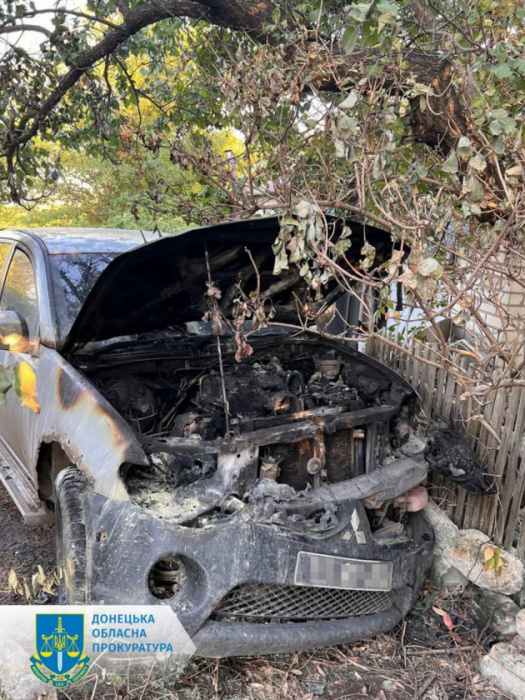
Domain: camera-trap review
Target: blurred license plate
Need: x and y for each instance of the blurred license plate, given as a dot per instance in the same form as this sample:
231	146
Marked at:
338	572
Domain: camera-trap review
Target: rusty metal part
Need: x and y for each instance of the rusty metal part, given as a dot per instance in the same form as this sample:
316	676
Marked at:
329	366
167	577
389	530
314	465
269	469
185	425
189	502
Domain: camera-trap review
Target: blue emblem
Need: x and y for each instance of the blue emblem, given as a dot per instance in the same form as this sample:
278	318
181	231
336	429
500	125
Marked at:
59	657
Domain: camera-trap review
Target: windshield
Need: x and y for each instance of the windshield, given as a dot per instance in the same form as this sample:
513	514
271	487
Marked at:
74	276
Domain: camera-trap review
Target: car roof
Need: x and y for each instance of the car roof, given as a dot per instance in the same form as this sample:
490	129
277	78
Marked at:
89	240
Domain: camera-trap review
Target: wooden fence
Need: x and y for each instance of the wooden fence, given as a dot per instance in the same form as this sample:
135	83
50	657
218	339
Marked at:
501	448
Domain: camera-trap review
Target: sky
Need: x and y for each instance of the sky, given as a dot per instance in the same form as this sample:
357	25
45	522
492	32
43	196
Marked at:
29	40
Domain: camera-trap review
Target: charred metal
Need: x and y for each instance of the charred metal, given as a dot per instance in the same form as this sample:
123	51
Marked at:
309	425
215	481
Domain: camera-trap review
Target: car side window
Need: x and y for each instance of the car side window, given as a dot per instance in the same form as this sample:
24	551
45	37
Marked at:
19	293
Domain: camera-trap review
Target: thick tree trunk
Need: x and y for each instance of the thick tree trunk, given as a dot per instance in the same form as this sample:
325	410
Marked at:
442	120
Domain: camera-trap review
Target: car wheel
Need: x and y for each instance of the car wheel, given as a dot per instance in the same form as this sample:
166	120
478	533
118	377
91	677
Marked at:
70	525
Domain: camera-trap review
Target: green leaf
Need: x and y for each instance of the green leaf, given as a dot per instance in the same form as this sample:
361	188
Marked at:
464	147
349	39
341	247
340	148
408	278
304	270
303	209
451	164
350	101
498	146
475	191
501	70
359	11
507	124
6	381
426	287
478	162
430	267
384	19
347	126
281	262
369	253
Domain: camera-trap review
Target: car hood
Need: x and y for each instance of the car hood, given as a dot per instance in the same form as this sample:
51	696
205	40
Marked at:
164	283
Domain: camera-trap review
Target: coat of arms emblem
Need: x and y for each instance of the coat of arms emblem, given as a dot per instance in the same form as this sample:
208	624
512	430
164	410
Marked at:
59	658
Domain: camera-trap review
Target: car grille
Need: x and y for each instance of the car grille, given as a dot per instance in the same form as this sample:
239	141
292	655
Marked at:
262	602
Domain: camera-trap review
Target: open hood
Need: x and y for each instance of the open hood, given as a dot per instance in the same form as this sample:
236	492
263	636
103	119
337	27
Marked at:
164	283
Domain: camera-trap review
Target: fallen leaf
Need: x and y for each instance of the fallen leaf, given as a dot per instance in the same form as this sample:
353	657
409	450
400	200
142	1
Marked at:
488	553
447	620
13	580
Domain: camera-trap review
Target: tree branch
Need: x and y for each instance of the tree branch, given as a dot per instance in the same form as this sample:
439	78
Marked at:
137	20
442	123
11	29
74	13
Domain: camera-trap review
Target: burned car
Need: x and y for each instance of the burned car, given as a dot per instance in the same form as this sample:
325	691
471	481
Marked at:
270	499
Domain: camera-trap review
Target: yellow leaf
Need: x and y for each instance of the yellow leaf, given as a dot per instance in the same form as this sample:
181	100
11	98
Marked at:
13	580
488	553
25	386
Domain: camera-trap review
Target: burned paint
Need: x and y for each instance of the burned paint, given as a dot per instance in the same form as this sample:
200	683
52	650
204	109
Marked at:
75	416
68	391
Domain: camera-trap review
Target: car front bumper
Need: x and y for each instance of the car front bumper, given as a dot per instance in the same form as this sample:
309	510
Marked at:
125	541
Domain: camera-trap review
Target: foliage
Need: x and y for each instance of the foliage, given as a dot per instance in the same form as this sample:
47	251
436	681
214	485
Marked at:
38	584
138	189
408	115
22	379
493	560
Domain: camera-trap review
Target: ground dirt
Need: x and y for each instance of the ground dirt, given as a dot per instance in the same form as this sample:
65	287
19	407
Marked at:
22	548
420	660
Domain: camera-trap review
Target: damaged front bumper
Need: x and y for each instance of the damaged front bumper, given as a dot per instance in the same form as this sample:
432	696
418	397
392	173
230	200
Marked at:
239	594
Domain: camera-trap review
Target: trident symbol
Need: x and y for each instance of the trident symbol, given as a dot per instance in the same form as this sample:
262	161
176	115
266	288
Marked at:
59	642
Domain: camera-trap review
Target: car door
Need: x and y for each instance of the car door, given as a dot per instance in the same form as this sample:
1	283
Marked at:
19	294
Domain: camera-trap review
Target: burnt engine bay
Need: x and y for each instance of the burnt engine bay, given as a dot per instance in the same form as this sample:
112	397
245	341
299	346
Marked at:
295	416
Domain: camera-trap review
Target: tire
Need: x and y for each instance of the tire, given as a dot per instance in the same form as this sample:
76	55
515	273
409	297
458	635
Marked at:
71	544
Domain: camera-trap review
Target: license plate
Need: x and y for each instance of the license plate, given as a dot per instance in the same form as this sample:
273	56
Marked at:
326	571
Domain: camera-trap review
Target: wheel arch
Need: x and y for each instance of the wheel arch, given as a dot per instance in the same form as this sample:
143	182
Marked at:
52	459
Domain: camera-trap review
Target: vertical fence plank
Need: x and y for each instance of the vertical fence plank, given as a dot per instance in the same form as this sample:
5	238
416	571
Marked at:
501	516
506	465
521	537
